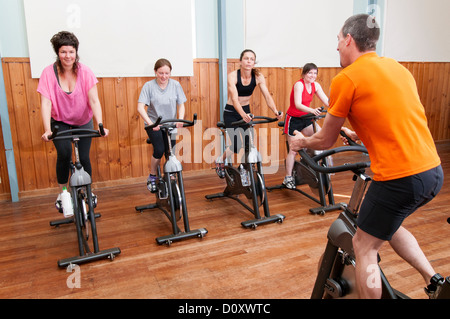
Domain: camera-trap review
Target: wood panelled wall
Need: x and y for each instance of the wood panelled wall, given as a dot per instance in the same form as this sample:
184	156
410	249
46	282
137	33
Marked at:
123	157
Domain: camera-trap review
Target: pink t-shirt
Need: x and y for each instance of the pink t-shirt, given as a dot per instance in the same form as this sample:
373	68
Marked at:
73	108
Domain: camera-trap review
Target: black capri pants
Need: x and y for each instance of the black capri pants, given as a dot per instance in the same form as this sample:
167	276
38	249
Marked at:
64	151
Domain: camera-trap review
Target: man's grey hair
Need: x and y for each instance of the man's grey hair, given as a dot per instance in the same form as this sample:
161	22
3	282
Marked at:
364	29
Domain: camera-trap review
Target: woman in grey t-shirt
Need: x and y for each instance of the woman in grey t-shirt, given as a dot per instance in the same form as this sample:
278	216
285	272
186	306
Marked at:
162	97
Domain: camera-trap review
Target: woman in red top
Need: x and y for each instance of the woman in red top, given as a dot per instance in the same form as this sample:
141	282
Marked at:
301	96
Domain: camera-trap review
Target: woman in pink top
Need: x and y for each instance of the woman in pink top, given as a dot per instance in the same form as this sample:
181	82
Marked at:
69	99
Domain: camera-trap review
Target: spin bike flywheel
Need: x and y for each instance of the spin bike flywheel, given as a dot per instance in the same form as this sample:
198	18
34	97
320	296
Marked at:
260	188
177	200
176	195
341	283
303	174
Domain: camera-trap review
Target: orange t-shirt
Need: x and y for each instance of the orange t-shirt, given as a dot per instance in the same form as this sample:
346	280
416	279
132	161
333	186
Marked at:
379	96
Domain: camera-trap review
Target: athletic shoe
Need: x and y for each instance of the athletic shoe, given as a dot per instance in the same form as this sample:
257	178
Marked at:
151	183
58	204
289	182
220	169
435	286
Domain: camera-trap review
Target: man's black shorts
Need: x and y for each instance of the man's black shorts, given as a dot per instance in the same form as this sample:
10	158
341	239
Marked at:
388	203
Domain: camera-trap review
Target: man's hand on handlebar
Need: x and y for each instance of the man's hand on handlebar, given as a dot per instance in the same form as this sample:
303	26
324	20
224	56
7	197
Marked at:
297	142
350	134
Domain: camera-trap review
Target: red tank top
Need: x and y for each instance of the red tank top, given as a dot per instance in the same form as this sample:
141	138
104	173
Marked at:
306	99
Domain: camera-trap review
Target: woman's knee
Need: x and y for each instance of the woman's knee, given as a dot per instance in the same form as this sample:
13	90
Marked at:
158	153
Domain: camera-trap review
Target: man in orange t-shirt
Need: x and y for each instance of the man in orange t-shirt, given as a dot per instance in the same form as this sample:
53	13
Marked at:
379	96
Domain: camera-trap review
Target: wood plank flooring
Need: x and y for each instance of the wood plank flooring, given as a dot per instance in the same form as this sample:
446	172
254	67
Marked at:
275	261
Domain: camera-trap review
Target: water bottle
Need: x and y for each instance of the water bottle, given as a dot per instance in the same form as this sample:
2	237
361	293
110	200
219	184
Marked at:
244	176
66	203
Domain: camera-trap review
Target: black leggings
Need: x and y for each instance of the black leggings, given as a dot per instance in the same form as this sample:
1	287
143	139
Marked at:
64	151
157	140
237	134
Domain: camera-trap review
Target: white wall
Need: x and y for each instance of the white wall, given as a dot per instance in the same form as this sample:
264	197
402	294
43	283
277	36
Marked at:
117	38
417	30
286	33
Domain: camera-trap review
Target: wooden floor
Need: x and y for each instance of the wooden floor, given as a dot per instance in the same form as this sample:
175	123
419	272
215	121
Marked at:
276	261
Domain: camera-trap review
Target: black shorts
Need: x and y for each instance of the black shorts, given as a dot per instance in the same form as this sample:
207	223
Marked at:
388	203
292	123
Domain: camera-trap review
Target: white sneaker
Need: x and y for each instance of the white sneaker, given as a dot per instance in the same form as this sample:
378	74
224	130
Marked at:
289	182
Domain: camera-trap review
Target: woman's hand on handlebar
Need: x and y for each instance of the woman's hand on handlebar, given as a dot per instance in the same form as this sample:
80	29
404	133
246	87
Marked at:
45	136
179	124
279	115
316	111
105	130
247	117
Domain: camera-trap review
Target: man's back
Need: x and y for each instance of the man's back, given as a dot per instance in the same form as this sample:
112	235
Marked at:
380	98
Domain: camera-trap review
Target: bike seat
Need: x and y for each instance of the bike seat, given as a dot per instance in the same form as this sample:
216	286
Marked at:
221	124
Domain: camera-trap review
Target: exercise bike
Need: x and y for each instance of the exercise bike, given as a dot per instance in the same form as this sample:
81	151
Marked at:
170	196
319	183
248	179
83	203
336	275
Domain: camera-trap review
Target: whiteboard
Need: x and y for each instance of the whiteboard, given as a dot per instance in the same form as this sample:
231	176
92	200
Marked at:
418	30
117	38
291	33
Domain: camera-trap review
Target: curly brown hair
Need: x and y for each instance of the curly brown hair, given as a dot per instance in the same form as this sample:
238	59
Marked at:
65	38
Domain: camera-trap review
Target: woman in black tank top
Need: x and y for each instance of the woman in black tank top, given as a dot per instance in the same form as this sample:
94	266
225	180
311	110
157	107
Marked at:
241	85
245	90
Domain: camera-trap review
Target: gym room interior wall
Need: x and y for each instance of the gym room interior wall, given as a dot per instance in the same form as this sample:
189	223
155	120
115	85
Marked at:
417	30
289	33
117	38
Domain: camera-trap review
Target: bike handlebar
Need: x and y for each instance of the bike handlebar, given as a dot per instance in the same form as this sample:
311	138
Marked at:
349	140
263	120
353	147
76	133
308	116
160	121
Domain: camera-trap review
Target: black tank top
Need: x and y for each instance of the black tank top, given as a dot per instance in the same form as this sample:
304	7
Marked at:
245	90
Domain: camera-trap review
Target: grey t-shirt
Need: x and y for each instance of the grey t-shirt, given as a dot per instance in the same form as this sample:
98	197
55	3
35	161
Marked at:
162	102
